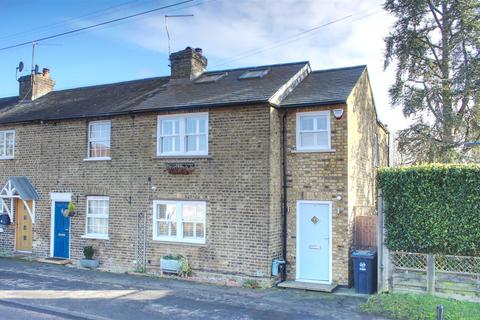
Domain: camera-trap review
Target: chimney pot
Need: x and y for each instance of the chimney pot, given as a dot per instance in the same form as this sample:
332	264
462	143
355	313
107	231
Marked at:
46	72
40	86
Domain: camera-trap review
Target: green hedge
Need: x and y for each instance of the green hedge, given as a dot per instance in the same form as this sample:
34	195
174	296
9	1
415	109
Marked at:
432	208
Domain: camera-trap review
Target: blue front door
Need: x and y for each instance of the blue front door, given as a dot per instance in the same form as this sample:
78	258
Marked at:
61	231
313	241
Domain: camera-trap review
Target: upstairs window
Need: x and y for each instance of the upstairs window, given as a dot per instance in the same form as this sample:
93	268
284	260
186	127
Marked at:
7	144
183	135
313	131
180	221
99	133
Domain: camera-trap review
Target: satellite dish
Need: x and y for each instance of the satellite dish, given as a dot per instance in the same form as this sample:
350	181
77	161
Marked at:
36	68
20	66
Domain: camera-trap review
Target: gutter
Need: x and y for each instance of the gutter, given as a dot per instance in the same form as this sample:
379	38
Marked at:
138	111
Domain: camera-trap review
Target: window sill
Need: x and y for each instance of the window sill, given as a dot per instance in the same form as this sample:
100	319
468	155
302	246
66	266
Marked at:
182	243
7	158
184	157
314	151
98	159
88	236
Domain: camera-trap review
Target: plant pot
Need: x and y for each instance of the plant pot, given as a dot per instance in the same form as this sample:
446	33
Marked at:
90	264
72	214
171	266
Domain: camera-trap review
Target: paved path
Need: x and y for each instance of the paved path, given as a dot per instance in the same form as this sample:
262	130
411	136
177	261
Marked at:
61	292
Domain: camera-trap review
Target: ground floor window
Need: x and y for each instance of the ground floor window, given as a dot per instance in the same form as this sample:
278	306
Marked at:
182	221
97	217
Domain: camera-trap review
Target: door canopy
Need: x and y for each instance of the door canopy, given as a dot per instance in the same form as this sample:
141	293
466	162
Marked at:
19	188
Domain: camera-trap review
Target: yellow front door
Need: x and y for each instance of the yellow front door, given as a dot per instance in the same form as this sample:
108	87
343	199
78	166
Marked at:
23	227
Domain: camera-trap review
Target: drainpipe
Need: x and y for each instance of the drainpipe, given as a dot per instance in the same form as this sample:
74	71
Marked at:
284	200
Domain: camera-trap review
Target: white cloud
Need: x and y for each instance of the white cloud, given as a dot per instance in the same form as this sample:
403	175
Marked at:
226	29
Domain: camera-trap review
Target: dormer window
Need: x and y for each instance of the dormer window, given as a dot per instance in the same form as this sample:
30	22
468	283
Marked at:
207	78
251	74
99	133
7	144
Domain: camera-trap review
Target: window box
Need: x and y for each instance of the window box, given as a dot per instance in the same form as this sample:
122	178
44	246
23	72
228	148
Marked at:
170	264
180	168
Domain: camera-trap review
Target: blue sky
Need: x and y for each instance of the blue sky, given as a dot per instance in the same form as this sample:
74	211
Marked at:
231	33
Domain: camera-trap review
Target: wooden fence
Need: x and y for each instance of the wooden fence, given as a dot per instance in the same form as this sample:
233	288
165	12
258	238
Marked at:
442	275
365	235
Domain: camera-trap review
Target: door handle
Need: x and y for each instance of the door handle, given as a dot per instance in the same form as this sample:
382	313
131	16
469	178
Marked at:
61	234
315	247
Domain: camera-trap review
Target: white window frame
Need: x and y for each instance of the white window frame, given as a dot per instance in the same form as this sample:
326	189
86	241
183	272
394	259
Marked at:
179	213
3	153
299	147
182	119
97	235
90	124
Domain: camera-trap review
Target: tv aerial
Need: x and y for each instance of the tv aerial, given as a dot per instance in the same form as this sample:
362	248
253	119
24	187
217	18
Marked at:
19	69
166	26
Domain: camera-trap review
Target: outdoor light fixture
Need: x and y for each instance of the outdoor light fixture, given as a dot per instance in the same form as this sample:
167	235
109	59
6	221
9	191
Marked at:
338	113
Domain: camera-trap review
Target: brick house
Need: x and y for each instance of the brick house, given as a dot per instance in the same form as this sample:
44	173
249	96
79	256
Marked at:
231	169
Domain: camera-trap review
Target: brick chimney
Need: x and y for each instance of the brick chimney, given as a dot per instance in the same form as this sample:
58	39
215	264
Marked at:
42	84
187	64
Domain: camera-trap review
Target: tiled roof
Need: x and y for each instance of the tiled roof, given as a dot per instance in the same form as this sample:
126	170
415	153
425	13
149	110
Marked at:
325	87
156	94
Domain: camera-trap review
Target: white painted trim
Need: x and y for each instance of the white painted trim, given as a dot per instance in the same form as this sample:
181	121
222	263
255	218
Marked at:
298	237
290	85
94	235
14	144
88	138
179	237
314	151
61	196
98	159
182	134
297	130
58	197
31	212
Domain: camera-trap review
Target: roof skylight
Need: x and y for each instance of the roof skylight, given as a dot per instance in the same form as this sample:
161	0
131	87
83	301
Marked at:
250	74
210	77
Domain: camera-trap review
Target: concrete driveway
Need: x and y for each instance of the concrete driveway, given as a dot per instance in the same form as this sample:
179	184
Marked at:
62	292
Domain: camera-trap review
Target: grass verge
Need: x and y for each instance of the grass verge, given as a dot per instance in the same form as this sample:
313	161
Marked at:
419	307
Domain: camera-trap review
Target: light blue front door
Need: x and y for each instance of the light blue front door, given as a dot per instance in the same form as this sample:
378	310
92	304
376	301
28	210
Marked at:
313	241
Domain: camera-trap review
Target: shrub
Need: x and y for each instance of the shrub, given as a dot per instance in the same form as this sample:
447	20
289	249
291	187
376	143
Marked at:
185	268
432	208
250	283
88	252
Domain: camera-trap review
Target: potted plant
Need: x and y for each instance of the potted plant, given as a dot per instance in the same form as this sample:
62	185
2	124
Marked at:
70	211
88	262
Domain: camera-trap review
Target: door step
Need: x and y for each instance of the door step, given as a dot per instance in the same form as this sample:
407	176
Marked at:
58	261
311	286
